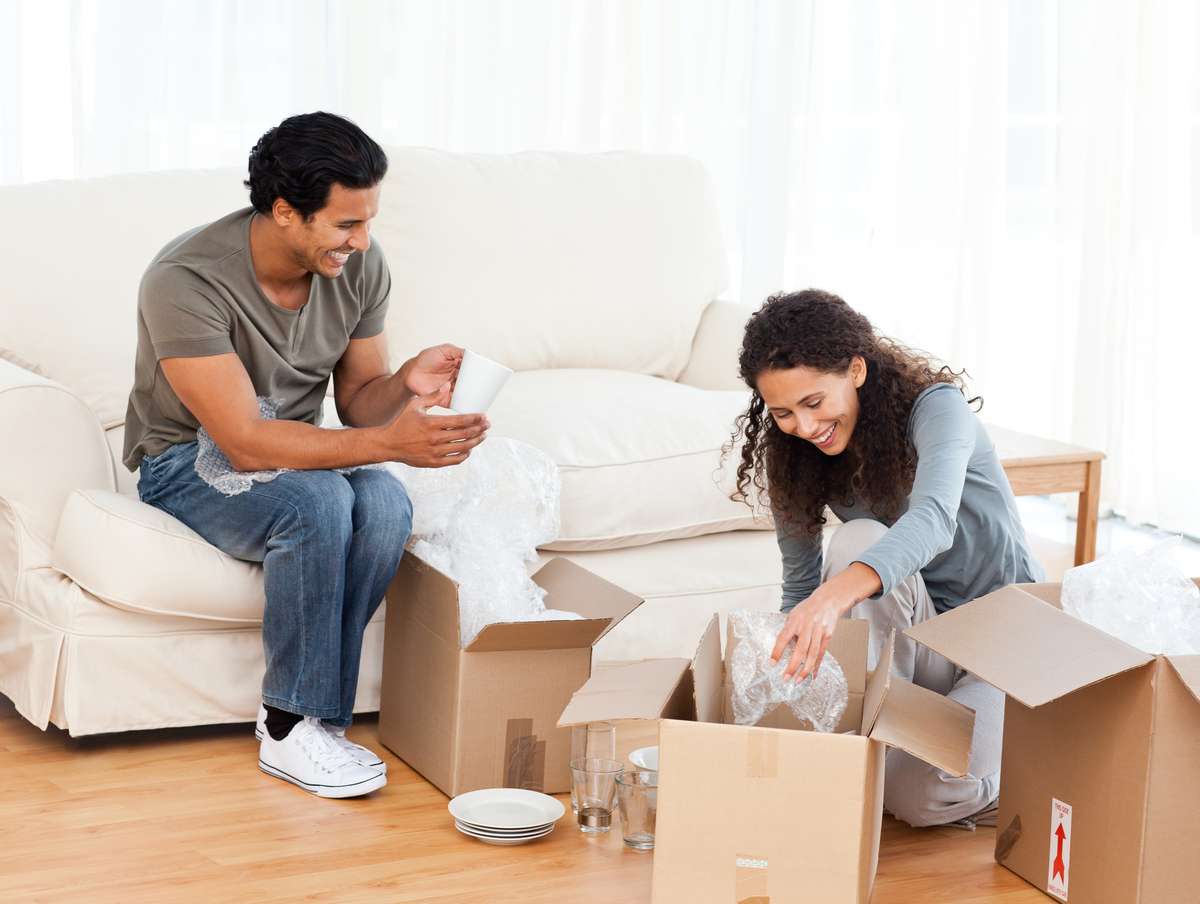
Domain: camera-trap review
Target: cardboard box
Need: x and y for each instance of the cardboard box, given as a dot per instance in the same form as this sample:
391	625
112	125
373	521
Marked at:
1099	795
485	716
772	813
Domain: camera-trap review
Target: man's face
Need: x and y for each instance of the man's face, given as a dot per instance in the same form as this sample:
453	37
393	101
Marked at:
324	243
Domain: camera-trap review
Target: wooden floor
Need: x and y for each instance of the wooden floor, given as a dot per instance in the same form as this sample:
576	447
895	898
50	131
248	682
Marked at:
185	815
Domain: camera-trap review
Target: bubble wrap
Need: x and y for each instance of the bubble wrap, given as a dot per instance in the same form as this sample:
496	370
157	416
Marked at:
480	523
1142	597
759	685
215	469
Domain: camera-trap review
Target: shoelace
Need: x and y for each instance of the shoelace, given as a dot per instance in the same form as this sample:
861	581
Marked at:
357	752
323	750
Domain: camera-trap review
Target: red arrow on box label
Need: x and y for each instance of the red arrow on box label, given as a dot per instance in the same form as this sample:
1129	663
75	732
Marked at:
1060	849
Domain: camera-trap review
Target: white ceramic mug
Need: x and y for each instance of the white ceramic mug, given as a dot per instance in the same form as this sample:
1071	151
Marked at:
479	381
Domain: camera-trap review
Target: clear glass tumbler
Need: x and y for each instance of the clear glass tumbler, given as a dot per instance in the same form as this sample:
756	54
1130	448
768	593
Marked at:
637	796
597	740
594	780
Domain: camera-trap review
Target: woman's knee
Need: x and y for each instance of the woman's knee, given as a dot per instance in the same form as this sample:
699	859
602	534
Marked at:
851	540
923	795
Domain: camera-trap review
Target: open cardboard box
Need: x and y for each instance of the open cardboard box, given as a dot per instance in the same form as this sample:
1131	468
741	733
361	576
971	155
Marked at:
1100	799
484	716
780	813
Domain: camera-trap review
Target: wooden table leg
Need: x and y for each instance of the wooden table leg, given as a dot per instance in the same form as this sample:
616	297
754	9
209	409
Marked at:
1089	510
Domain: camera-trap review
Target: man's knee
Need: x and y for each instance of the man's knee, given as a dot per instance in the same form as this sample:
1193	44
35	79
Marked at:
851	540
322	500
382	506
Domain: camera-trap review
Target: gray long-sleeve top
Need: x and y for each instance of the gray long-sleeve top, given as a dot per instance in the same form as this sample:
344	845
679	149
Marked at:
960	529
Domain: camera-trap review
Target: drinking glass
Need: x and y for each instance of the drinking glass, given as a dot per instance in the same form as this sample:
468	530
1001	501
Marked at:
637	796
594	780
597	740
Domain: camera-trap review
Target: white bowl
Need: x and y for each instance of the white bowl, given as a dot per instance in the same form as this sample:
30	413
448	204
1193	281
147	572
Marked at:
645	758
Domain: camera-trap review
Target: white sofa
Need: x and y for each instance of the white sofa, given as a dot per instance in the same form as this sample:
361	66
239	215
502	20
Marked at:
594	276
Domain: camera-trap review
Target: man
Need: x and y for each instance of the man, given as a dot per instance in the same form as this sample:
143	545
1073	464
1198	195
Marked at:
255	312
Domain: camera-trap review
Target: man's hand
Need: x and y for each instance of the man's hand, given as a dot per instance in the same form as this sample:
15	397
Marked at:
433	367
813	621
425	440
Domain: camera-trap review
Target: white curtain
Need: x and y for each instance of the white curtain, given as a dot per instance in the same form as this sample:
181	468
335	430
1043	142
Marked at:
1012	186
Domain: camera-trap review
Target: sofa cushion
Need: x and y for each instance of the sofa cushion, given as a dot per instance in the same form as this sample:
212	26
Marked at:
136	557
543	260
639	456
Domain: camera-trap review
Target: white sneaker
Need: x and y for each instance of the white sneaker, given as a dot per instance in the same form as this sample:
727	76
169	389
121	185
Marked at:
310	758
364	756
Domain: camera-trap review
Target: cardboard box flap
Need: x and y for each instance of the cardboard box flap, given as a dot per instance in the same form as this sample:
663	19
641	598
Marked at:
1027	648
849	646
573	588
708	672
1188	670
430	597
925	724
878	685
538	635
633	690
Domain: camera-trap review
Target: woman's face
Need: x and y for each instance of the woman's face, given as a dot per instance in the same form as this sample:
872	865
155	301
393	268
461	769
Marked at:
820	408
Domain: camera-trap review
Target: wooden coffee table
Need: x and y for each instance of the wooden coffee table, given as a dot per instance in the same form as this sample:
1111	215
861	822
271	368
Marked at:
1037	466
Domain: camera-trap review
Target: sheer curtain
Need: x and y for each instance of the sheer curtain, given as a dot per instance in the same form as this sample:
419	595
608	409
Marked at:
1014	187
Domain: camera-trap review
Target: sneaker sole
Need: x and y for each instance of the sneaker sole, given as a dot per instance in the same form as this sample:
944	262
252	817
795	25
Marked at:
358	789
378	764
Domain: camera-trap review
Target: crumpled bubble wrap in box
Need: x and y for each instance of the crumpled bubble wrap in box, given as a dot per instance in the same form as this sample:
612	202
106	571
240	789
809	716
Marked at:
759	685
480	523
1141	597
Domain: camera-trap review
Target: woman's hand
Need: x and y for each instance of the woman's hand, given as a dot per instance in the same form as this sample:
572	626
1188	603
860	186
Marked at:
813	621
428	371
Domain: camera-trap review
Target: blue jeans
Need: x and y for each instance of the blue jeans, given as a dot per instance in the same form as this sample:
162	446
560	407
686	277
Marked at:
329	545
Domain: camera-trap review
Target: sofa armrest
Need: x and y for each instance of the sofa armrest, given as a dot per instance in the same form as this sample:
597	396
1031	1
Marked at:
714	360
53	444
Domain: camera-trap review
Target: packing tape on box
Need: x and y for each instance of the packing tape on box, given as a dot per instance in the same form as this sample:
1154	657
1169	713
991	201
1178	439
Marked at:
1006	839
750	882
762	753
524	756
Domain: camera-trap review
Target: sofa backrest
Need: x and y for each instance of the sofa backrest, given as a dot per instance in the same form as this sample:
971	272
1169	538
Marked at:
539	260
68	302
543	260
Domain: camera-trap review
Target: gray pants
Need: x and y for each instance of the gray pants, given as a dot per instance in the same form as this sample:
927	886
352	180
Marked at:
914	791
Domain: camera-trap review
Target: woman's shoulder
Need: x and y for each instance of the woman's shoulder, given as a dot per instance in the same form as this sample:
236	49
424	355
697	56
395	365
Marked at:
940	397
943	405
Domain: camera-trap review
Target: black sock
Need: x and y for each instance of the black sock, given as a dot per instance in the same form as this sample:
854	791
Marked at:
280	722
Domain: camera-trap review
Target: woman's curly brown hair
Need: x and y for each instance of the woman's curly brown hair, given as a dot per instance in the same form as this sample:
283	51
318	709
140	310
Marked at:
792	476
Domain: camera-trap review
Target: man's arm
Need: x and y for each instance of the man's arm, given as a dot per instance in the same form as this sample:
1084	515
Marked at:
365	390
218	392
367	393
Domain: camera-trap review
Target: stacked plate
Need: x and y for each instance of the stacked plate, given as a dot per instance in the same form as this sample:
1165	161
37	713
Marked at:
505	815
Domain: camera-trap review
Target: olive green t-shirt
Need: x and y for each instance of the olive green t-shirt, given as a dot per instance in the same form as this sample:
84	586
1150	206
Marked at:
199	296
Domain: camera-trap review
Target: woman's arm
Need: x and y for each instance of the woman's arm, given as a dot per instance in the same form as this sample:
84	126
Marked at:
943	434
801	555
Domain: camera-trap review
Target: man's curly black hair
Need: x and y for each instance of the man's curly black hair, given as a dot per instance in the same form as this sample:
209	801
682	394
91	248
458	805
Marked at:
818	330
304	155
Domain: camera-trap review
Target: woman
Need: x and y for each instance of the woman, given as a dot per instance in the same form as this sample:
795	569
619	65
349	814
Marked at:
845	418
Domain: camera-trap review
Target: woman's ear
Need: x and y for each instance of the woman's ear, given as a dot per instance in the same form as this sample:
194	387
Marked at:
858	371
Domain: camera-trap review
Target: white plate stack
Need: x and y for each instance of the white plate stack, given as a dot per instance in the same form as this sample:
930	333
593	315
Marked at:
505	815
